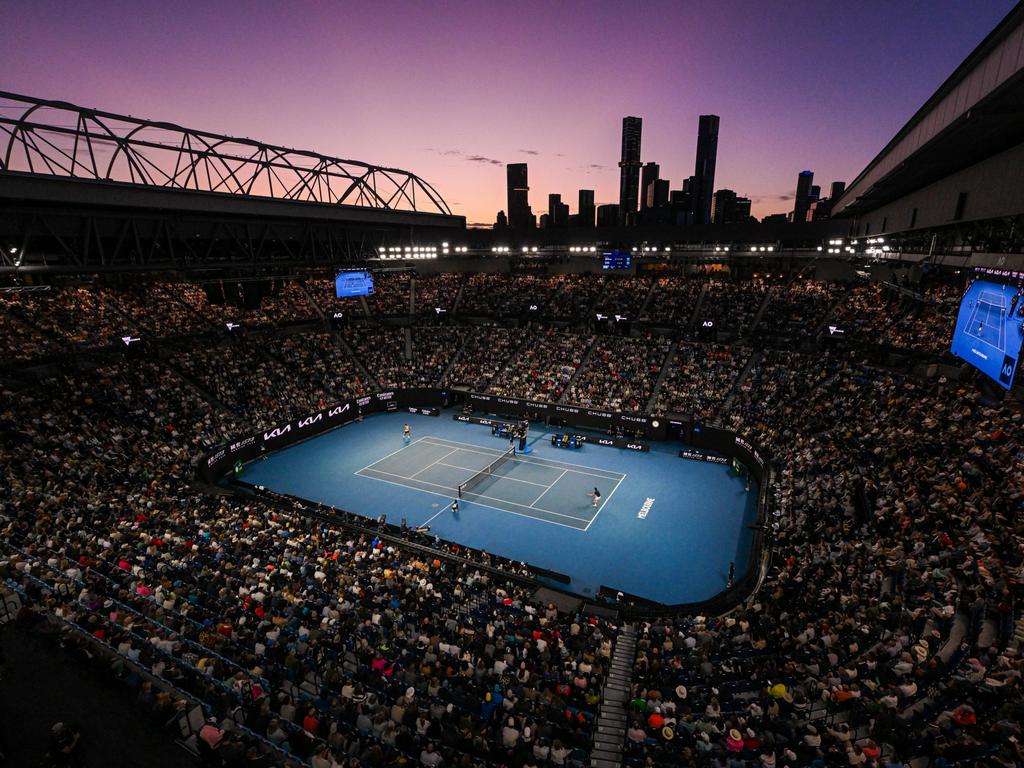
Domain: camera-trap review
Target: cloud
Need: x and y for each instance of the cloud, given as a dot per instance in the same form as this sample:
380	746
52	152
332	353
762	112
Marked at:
529	151
480	159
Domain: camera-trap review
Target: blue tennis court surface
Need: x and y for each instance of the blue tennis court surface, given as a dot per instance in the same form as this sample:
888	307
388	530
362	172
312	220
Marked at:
543	489
986	322
665	528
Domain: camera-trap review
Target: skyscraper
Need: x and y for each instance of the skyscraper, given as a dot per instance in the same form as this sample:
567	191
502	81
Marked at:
558	212
629	174
722	204
519	214
585	215
648	176
803	195
838	187
657	194
704	168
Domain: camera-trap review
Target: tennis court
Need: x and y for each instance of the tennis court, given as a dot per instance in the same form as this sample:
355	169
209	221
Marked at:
552	491
986	321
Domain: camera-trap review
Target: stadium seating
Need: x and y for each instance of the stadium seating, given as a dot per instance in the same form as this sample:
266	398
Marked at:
887	628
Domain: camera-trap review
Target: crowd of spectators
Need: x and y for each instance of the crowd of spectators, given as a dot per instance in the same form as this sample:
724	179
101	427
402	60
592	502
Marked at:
700	378
437	291
270	379
312	643
673	301
620	373
732	306
798	309
887	627
391	294
927	326
543	365
485	354
624	296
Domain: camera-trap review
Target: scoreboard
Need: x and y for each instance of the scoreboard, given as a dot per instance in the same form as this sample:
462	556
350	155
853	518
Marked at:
358	283
617	260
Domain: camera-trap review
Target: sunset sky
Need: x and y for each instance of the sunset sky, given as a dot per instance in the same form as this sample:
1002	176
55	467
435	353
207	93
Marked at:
454	90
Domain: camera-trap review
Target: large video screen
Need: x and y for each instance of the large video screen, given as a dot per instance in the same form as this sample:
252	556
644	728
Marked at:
353	284
990	328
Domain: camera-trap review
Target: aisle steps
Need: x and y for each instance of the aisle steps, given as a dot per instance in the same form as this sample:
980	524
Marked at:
611	722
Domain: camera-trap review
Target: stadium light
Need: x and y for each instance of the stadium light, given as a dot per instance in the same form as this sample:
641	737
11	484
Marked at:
534	249
754	249
726	249
819	249
771	248
12	250
593	248
526	249
444	245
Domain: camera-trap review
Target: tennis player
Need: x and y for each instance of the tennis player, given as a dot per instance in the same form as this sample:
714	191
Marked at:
406	432
595	496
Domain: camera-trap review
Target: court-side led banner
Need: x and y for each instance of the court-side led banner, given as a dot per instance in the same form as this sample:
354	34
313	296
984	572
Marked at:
990	329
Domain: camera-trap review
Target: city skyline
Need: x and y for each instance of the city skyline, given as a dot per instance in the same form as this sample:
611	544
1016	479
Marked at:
456	93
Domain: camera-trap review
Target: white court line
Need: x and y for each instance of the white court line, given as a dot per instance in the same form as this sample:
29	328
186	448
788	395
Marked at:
378	461
564	473
433	463
443	509
501	477
603	505
549	463
478	503
481	495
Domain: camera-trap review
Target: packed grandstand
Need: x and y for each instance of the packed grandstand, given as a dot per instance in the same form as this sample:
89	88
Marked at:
886	629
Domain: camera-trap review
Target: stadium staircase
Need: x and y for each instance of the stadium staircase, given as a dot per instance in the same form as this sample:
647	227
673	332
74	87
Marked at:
611	722
582	366
452	362
755	356
412	296
198	388
661	376
312	299
696	309
458	298
647	300
364	305
768	296
355	360
407	351
831	311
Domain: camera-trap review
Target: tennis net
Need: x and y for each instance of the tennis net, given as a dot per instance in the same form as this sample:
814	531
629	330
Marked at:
486	472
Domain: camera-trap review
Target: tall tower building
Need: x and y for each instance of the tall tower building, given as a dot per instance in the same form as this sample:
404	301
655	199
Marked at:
650	174
629	165
586	208
704	168
802	203
838	187
519	214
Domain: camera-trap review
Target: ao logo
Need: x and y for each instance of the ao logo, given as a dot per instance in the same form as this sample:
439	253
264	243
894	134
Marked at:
1006	372
709	324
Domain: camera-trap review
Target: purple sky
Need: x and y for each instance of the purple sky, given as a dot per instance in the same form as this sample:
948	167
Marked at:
452	91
